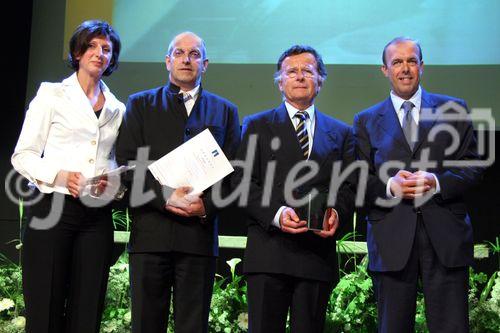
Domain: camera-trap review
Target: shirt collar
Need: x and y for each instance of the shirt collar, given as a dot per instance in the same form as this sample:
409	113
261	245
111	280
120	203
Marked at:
416	99
293	110
193	92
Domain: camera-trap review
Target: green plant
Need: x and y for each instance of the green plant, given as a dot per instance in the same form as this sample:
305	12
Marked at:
342	248
351	307
116	317
11	297
495	248
121	219
228	310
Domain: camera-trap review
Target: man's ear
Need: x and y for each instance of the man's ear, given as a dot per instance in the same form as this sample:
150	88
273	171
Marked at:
205	66
421	70
320	85
280	85
168	62
384	70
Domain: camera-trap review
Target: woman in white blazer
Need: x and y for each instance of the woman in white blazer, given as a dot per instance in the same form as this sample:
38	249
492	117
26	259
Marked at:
68	136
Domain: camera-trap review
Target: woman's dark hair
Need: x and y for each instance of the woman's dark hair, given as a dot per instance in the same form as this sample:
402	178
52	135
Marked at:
84	33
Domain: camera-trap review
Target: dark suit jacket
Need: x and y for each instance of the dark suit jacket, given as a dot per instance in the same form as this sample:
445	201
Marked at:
157	119
379	138
268	249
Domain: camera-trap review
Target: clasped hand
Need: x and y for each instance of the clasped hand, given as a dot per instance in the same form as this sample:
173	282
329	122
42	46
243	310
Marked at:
408	185
184	204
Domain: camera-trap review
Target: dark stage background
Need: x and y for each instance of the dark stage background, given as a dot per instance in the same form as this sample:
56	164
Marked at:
483	201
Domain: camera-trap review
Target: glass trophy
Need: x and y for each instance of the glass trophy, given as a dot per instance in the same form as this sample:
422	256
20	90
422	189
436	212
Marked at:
315	211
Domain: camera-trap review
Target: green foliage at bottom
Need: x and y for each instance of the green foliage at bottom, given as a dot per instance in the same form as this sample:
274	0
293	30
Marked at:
351	307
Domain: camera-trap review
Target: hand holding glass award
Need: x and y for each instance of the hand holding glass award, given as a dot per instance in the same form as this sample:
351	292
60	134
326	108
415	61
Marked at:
315	212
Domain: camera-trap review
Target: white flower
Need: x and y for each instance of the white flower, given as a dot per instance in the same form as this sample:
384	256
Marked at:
6	303
243	321
127	317
19	322
232	265
222	317
110	326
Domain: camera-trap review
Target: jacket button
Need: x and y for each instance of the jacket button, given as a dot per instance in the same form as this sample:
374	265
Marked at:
91	161
188	131
93	142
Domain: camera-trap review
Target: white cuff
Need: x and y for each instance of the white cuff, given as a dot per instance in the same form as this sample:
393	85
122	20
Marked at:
276	220
388	189
438	187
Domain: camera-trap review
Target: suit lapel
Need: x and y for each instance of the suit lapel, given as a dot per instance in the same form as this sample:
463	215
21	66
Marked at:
427	118
78	99
389	122
283	128
111	106
324	140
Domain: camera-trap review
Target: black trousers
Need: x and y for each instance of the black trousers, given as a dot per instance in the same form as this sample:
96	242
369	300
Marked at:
154	277
271	296
65	268
445	292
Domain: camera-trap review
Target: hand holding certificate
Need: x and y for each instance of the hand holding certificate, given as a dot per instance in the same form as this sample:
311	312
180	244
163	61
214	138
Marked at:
198	163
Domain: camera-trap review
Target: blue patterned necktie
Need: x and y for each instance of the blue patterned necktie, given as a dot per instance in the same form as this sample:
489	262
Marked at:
409	125
301	132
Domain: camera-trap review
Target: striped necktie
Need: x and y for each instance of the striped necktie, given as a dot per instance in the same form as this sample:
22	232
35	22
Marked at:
301	132
186	97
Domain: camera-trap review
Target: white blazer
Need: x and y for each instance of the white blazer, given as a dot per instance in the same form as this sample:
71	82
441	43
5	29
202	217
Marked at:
61	132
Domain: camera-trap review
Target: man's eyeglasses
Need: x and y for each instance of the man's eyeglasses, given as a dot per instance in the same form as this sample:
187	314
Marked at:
194	54
294	72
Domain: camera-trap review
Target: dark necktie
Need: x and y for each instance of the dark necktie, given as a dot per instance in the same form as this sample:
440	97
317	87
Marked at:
301	132
409	125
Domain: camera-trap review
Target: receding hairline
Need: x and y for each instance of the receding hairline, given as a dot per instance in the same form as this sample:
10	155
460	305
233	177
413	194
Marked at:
183	34
402	40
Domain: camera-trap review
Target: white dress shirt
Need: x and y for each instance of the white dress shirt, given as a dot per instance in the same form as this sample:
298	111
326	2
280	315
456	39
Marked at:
397	102
189	101
61	132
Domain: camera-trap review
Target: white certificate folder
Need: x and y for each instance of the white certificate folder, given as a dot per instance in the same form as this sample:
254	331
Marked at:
198	163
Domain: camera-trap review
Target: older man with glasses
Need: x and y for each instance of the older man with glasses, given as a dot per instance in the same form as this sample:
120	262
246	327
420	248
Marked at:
289	267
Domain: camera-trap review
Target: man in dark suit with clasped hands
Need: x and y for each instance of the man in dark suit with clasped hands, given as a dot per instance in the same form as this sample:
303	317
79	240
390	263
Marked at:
418	227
